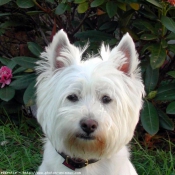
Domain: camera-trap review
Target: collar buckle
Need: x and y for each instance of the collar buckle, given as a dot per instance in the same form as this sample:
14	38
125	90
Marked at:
86	163
67	158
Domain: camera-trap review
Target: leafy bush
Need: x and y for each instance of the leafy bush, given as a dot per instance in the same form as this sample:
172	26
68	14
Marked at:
21	90
150	23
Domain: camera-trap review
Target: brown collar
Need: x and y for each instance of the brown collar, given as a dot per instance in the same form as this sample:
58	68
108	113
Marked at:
73	163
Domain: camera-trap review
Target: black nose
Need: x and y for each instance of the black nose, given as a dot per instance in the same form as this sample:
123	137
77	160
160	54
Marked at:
88	125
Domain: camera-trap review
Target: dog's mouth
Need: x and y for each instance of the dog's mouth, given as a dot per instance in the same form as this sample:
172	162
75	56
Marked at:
85	137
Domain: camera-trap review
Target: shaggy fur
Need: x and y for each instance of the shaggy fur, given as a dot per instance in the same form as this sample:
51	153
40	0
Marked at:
114	74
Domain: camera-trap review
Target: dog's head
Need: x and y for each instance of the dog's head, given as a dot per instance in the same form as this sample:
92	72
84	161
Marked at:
89	109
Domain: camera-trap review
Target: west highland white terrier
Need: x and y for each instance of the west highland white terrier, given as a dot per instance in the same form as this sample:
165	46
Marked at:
88	109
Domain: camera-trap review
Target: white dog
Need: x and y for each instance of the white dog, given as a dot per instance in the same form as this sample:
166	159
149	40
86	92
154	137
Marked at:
89	109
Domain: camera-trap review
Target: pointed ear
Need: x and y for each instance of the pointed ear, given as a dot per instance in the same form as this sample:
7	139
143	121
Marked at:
60	53
125	55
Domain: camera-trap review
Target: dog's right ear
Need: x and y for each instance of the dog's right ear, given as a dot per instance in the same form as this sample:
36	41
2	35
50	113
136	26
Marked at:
60	53
123	56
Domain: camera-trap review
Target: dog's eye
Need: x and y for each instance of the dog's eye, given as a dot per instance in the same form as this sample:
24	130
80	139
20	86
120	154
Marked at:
72	98
106	99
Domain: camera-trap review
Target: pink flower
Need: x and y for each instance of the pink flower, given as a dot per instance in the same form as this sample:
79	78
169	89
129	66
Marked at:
5	76
172	2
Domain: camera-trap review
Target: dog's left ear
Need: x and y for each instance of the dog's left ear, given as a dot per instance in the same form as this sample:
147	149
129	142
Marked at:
61	53
124	55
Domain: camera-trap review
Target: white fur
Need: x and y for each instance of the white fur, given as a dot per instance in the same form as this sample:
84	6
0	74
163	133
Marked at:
115	74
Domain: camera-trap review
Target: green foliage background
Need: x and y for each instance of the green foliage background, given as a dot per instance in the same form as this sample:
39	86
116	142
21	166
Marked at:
150	23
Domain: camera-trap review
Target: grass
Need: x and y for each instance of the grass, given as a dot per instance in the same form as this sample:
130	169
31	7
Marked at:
153	162
20	152
19	148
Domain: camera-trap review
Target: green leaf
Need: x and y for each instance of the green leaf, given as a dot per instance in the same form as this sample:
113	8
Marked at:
171	108
171	73
11	64
164	43
93	35
171	36
168	23
29	70
112	42
26	62
151	95
97	3
151	78
29	94
166	93
4	26
4	61
25	3
83	7
109	25
165	121
148	26
5	14
2	31
61	8
111	8
144	26
7	93
154	2
23	81
122	5
18	70
139	25
148	37
32	13
79	1
171	47
135	6
35	48
10	24
51	1
149	118
2	2
148	13
158	55
147	47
